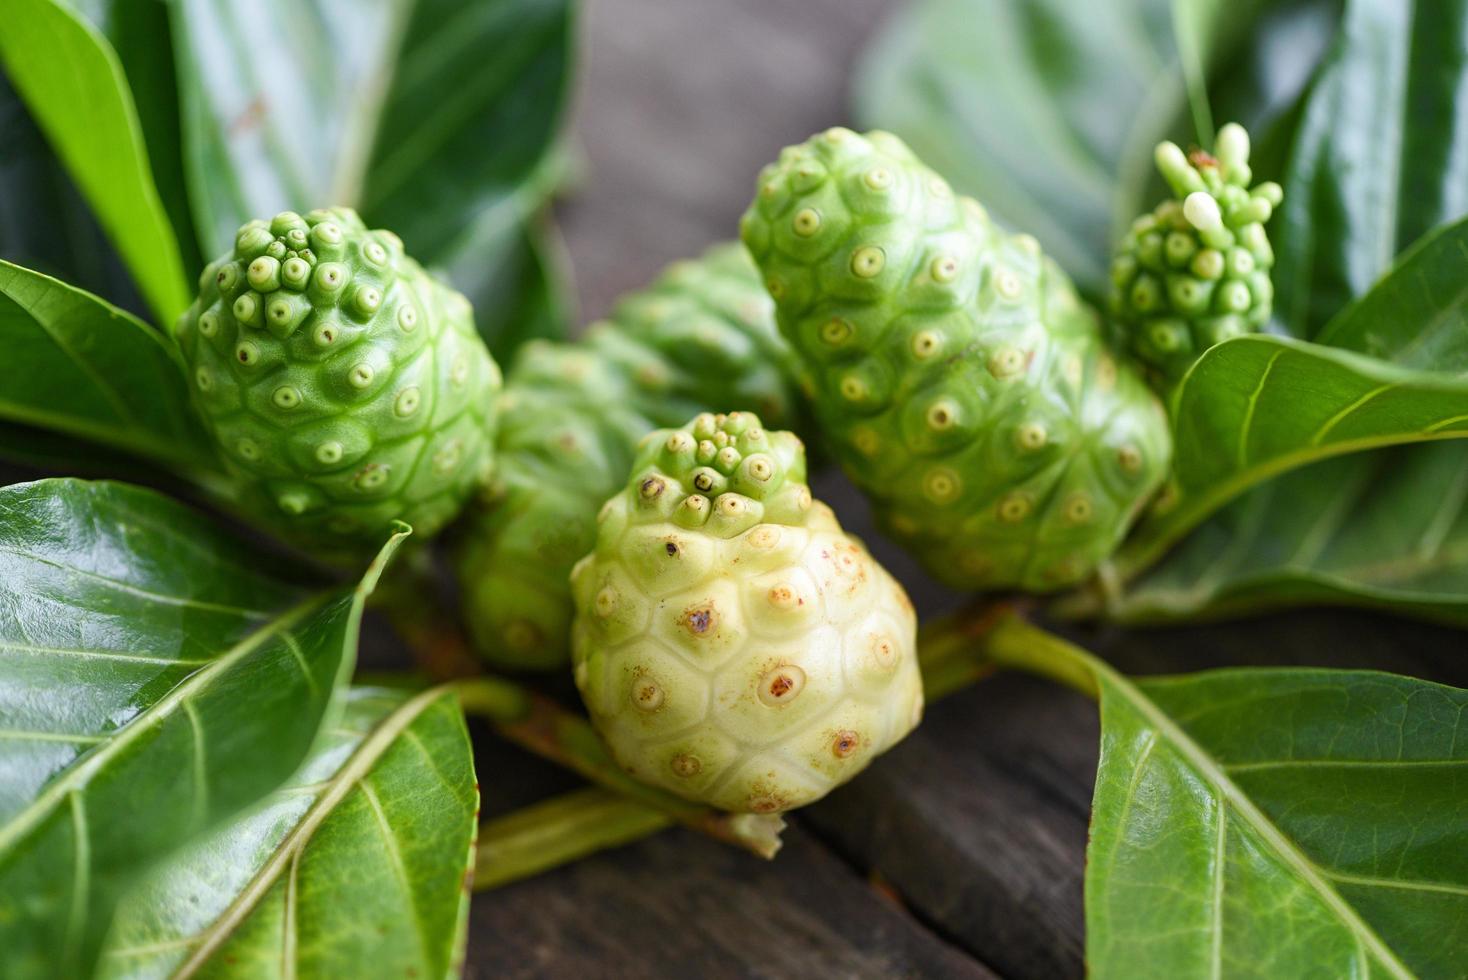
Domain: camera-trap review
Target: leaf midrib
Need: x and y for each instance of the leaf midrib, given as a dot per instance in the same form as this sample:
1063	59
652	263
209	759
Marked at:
287	853
78	774
1228	791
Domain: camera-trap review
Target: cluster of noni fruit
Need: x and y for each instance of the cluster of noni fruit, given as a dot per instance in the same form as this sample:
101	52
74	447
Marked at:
732	644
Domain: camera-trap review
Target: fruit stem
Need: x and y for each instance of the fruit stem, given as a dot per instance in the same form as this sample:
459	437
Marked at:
558	831
1017	644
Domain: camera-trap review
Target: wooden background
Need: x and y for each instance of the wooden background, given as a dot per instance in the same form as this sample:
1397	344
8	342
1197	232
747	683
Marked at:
959	854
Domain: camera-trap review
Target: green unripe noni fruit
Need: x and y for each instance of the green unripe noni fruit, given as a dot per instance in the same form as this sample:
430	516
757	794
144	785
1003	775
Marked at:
345	387
960	380
732	643
703	335
1195	271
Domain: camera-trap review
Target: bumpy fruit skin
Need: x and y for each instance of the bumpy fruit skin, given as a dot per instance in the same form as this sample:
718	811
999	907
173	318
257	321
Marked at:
703	335
345	387
955	373
1195	271
731	643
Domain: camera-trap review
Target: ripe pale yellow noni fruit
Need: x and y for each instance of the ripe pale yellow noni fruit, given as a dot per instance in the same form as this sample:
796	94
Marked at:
732	643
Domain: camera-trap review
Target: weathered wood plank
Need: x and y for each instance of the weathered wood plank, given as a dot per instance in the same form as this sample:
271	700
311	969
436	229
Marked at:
679	905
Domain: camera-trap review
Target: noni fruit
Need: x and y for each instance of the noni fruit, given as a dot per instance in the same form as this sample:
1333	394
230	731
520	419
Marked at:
1195	271
732	644
956	374
345	387
701	337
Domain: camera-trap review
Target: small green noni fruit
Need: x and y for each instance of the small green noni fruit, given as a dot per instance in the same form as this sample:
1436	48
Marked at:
1195	271
702	336
732	643
955	373
345	387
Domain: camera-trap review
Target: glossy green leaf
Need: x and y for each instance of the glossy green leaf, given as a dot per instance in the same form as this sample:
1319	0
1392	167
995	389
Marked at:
142	35
1256	406
84	368
476	99
73	82
518	279
280	102
45	223
156	676
1387	529
433	118
1279	823
1377	160
1047	110
356	867
1417	315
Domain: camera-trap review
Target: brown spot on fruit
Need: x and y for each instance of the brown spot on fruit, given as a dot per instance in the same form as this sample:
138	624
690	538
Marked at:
647	694
766	804
845	743
686	765
671	548
781	685
784	596
884	651
652	488
700	620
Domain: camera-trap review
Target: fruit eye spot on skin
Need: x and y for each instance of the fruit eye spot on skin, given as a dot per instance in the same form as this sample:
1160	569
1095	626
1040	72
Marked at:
884	651
1007	284
878	178
686	765
836	331
700	620
941	485
944	269
407	402
868	261
647	695
1031	436
1014	507
783	596
651	488
866	442
672	549
807	222
1007	362
942	415
1078	508
781	685
845	743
